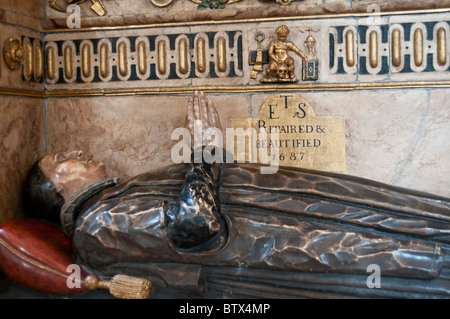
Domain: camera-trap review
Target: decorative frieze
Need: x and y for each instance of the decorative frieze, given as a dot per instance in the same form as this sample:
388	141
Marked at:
144	57
33	64
349	50
407	49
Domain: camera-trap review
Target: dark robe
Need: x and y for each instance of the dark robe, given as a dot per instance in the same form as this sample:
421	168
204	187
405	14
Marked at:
296	233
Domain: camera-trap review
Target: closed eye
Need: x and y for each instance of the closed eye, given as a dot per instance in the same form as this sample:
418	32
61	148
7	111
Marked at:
62	158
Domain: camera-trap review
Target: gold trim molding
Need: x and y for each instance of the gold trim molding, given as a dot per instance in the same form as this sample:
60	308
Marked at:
237	21
22	92
227	89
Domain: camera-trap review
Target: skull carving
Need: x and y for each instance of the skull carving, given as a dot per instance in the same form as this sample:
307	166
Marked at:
283	72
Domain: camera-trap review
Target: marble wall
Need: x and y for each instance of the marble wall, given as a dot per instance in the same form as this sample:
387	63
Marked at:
22	142
22	118
131	135
399	137
23	13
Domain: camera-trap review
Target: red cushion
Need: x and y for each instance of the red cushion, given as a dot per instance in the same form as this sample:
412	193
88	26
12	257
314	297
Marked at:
36	254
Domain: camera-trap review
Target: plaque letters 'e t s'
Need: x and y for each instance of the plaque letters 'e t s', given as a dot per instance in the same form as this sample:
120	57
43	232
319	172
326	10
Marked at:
301	106
286	105
304	139
272	112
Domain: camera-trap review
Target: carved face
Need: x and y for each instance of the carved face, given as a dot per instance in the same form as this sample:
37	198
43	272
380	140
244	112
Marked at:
282	37
69	172
282	72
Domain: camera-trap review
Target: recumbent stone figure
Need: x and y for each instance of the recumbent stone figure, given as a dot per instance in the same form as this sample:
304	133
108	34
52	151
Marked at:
221	230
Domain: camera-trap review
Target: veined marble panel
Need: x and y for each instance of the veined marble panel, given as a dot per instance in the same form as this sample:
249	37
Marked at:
22	142
131	135
395	137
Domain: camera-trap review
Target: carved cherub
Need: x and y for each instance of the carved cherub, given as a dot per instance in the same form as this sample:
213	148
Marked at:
279	58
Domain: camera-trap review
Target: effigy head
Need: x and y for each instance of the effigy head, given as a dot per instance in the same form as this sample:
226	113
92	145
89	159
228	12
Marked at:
53	179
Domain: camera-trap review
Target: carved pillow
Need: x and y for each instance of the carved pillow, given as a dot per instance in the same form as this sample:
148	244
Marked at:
37	254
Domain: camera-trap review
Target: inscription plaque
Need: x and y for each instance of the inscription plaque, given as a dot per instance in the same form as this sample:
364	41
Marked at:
288	121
